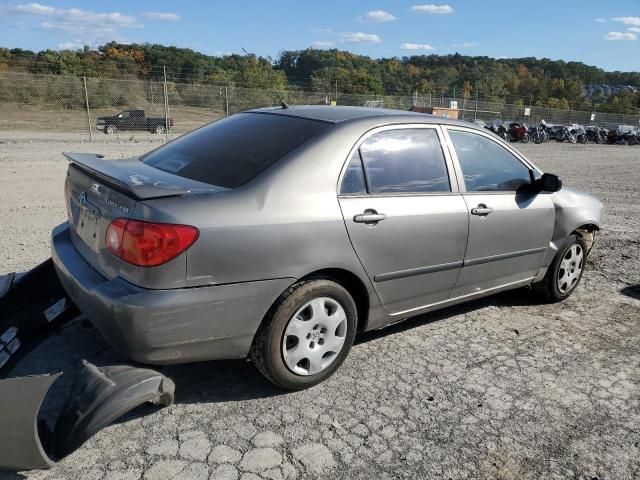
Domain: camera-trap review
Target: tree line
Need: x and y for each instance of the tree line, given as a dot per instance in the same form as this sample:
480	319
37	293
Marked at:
539	82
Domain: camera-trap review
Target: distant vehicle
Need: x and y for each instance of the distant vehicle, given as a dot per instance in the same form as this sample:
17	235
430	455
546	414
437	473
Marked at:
579	133
597	134
624	135
132	120
518	132
560	133
538	133
500	128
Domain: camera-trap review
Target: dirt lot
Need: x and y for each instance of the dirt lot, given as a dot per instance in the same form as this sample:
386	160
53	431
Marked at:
499	388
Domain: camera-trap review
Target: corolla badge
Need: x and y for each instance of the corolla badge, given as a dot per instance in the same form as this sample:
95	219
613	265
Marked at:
82	198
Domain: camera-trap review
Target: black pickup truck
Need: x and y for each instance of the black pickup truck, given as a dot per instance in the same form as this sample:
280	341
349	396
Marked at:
133	120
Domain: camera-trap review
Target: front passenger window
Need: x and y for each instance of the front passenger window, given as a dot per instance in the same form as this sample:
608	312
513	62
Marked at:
487	166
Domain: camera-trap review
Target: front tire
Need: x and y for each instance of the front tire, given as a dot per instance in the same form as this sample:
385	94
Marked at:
111	130
306	335
565	272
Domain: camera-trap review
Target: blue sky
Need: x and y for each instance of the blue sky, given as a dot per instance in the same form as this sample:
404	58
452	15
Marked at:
605	34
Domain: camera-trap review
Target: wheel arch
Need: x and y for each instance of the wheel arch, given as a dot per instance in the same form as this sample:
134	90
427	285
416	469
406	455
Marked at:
353	284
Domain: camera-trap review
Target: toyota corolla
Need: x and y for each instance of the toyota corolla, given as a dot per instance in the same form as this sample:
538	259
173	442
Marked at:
279	234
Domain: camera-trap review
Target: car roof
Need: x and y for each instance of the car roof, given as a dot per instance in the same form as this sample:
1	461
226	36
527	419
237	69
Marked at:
344	114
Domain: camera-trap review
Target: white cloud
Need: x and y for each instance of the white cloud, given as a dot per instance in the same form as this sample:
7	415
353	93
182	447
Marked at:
70	46
34	9
75	15
359	37
634	29
379	16
620	36
601	20
634	21
322	44
86	27
321	30
465	45
165	16
433	9
417	46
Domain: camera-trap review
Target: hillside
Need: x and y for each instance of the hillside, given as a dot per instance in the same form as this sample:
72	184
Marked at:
542	82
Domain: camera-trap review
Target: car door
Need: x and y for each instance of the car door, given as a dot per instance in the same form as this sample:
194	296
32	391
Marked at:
122	120
509	229
405	217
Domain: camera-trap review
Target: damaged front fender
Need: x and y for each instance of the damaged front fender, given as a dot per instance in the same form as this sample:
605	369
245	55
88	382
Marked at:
100	396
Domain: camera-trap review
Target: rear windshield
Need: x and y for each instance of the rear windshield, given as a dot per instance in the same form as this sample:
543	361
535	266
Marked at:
230	152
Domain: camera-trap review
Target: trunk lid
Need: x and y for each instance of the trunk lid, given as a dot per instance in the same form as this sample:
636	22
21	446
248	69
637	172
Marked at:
97	191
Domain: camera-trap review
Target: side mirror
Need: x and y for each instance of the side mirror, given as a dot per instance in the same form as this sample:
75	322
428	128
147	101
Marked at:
549	183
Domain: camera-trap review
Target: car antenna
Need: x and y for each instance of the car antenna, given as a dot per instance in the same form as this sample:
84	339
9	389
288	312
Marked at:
285	105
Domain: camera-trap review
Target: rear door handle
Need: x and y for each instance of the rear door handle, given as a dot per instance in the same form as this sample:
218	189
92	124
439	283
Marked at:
369	217
481	210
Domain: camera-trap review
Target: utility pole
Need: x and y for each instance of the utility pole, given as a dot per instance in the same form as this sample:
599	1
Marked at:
336	91
86	99
166	105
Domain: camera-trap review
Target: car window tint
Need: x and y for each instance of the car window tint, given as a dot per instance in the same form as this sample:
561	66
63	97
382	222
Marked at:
353	181
405	160
486	165
230	152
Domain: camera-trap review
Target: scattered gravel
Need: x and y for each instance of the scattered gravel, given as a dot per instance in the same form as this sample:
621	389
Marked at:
498	388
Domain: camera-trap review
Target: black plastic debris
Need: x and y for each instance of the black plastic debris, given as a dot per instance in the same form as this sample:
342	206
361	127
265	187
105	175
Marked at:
32	305
100	396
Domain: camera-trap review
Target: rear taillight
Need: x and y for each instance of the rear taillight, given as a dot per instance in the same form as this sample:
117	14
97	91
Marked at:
148	244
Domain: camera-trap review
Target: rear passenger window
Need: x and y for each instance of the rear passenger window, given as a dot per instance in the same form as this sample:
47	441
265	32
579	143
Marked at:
353	182
405	161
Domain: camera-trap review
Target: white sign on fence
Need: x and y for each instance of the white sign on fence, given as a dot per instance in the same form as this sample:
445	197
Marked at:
527	111
453	104
593	117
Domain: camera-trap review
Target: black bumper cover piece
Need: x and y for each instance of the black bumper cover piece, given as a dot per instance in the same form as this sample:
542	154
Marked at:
100	395
32	305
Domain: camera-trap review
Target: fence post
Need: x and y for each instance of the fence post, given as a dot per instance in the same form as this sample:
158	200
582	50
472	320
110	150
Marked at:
86	100
166	105
226	101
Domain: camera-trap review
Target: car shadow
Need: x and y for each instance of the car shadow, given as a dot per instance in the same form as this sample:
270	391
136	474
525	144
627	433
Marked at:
511	298
632	291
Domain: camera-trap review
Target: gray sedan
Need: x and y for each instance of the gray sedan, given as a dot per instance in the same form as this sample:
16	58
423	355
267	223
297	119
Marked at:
280	233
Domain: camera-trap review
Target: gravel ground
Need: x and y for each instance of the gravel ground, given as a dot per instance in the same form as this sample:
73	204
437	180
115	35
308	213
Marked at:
499	388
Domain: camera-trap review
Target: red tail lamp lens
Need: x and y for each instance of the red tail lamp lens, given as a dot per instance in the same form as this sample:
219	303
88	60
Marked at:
148	244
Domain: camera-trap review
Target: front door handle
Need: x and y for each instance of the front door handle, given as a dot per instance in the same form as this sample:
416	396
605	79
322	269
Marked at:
369	217
481	210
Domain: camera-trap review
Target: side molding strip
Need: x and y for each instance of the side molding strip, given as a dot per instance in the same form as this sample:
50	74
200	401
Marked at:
503	256
412	272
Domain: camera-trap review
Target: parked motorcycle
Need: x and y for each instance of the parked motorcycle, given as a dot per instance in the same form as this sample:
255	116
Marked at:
579	132
538	133
623	135
560	133
518	132
500	128
596	134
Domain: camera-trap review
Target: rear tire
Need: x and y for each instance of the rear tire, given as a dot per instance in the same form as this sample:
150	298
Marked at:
565	272
306	335
159	130
632	141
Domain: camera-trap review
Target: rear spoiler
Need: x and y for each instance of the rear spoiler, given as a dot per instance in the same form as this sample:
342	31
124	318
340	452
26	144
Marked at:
137	179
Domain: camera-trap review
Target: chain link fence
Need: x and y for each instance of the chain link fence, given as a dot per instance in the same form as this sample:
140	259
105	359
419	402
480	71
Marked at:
55	103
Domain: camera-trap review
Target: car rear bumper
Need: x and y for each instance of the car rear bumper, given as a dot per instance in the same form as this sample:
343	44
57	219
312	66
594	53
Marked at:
165	326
